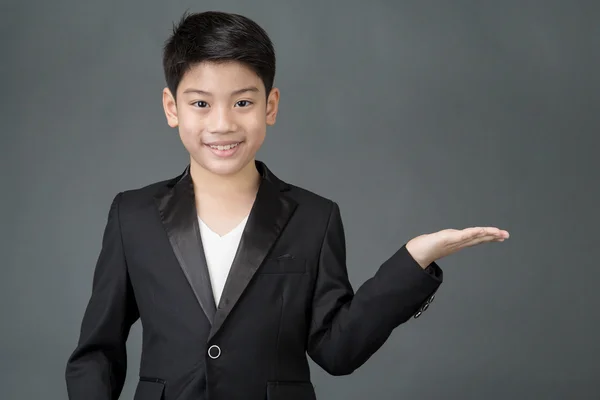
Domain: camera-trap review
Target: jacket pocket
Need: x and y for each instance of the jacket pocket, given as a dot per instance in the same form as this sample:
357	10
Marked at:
285	264
301	390
149	389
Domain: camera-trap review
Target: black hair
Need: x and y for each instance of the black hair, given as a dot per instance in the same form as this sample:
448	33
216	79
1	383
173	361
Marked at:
215	36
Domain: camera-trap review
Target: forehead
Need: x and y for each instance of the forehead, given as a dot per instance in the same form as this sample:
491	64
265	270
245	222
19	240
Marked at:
220	77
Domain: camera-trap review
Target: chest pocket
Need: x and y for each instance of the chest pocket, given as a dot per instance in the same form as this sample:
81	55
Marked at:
284	264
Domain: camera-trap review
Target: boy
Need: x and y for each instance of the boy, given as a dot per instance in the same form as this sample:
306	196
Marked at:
235	274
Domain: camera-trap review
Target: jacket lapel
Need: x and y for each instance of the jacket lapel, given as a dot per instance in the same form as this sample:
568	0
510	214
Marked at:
269	215
177	208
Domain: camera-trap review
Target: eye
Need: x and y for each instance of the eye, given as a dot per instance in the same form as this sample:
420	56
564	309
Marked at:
243	103
200	104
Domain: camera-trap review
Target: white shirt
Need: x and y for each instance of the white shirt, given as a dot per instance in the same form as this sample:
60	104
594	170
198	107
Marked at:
219	252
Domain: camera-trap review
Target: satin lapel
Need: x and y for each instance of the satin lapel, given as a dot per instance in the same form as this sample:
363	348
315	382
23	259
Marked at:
268	217
177	208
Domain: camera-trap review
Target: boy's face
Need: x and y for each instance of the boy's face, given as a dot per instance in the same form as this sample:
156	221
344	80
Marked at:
222	112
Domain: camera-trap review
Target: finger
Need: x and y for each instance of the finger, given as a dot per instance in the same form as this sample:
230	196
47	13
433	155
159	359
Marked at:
484	239
455	240
469	234
476	235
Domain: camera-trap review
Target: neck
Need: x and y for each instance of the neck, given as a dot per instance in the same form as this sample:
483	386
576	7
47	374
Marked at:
245	181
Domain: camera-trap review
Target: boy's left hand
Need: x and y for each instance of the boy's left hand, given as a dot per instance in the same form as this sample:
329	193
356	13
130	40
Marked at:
428	248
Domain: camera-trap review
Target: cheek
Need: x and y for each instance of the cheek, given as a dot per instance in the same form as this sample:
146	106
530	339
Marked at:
189	130
256	126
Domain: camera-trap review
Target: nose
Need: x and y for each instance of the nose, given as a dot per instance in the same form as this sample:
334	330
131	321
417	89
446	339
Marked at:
220	121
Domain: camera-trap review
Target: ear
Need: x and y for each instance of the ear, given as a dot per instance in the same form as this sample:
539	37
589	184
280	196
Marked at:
272	106
170	107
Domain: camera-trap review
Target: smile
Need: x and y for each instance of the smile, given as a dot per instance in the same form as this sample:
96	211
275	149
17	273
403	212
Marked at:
224	147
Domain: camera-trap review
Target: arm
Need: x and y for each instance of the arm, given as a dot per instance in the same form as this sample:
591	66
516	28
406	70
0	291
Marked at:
96	369
348	328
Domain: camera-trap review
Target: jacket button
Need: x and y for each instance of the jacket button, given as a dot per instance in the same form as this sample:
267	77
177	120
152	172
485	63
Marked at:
214	351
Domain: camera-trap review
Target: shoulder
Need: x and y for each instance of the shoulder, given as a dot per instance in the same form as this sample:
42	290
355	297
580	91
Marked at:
310	204
308	198
137	198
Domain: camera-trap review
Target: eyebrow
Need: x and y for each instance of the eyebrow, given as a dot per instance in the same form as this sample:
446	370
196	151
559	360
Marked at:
253	89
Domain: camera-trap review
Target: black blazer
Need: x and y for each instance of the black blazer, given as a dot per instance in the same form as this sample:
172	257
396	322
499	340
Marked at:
287	295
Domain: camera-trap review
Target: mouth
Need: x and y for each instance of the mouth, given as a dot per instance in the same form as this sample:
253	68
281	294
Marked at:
224	149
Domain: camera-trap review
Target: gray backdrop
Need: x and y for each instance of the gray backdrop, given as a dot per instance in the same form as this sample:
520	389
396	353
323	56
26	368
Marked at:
414	116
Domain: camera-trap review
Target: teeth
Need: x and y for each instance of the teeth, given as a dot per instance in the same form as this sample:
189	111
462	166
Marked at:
226	147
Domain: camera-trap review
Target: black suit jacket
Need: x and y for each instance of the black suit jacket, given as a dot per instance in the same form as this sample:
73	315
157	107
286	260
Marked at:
287	295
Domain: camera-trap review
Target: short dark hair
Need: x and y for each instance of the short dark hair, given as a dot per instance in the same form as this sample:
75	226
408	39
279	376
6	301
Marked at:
214	36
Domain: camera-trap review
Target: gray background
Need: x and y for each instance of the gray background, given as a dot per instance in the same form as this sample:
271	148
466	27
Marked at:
414	116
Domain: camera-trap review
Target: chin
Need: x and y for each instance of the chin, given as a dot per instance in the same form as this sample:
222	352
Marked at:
224	168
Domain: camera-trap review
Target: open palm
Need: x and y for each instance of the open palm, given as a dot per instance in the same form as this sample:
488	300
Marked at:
428	248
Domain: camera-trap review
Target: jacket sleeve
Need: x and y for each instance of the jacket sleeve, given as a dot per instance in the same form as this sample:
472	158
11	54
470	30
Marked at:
97	367
347	328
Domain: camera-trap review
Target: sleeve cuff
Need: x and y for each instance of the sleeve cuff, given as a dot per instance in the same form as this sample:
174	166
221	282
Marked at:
434	270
